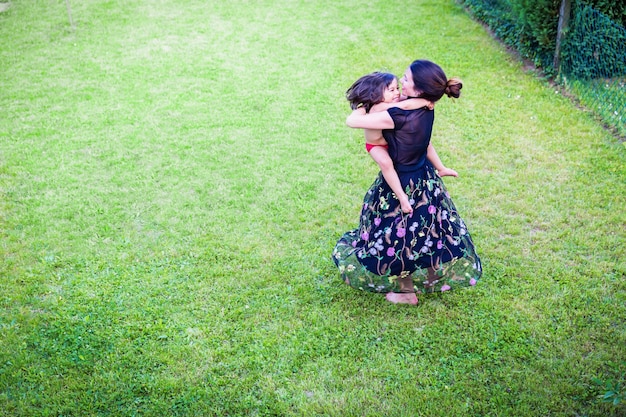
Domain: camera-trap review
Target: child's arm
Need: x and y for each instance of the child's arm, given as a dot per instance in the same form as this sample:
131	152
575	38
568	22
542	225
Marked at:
408	104
381	157
414	103
434	159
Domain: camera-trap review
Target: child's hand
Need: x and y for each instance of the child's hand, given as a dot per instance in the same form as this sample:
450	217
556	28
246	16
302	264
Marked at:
447	172
431	105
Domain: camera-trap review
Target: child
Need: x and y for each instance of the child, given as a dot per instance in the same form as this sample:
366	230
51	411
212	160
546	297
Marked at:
376	92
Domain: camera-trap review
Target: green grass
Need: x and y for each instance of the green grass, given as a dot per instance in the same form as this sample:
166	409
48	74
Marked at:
174	176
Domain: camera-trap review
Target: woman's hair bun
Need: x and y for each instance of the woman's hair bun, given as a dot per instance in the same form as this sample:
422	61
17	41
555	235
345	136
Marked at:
453	87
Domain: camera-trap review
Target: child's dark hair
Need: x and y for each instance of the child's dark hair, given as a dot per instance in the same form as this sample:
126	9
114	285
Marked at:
369	90
432	82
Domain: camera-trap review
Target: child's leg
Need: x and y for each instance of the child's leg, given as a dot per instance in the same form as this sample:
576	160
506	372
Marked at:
381	156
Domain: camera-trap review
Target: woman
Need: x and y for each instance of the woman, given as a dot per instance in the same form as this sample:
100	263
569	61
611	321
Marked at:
379	90
429	249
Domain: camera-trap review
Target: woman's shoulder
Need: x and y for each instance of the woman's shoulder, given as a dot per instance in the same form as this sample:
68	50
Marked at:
396	112
419	119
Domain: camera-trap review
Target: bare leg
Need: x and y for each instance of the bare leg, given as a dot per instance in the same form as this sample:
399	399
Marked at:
432	277
406	284
381	156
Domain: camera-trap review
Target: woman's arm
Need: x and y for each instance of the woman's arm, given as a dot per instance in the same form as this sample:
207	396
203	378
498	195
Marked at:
434	159
408	104
380	120
415	103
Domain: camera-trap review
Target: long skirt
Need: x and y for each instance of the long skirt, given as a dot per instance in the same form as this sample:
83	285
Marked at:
429	250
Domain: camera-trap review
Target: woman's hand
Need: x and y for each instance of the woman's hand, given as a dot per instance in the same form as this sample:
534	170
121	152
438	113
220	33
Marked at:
447	172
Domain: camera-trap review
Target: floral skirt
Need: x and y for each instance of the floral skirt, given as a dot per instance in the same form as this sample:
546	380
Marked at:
429	250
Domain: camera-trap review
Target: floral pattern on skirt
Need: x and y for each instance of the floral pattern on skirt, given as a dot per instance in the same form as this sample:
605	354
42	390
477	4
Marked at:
429	250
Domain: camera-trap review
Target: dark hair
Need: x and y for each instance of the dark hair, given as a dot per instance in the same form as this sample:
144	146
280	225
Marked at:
431	82
369	90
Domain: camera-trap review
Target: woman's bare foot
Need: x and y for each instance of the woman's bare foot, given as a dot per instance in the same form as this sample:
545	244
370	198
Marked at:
402	298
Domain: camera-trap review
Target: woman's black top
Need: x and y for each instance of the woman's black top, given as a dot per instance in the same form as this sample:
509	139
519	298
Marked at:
409	139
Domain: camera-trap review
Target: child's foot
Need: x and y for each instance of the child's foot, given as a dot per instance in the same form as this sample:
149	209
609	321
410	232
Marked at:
402	298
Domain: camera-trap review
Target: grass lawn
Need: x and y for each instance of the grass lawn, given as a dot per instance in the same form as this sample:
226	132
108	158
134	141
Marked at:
174	176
